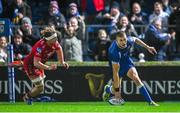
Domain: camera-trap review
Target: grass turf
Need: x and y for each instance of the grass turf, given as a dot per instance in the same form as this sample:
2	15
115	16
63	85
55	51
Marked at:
88	107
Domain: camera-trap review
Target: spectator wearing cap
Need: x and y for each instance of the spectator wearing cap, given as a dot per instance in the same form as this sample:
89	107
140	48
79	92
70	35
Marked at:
54	16
73	12
77	21
30	35
20	49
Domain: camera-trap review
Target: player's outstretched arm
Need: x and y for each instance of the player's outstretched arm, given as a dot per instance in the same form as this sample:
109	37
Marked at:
152	50
116	83
40	65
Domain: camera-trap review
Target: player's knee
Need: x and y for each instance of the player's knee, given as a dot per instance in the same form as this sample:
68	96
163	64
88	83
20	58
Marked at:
136	79
40	86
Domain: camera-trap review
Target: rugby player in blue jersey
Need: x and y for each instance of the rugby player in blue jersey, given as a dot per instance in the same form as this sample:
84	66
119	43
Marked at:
121	65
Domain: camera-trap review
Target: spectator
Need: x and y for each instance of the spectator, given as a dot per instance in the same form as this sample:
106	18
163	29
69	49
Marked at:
18	10
138	17
55	17
3	49
30	35
159	13
159	39
166	7
73	11
76	21
174	19
72	46
124	25
79	28
112	17
101	46
20	49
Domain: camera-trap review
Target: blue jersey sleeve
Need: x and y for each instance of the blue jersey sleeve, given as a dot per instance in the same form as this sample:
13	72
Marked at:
115	57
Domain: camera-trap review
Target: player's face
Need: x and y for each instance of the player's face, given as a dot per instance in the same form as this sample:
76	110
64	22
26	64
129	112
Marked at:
122	41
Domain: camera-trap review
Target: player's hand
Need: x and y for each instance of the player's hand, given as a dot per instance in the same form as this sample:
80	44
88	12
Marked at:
65	64
152	50
53	67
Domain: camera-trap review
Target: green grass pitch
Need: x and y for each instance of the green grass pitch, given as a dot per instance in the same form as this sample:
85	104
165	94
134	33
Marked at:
88	107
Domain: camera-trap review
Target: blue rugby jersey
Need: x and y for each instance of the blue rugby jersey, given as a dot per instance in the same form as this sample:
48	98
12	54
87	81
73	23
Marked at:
121	56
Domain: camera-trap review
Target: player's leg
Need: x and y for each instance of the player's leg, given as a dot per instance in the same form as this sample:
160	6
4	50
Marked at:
36	90
132	74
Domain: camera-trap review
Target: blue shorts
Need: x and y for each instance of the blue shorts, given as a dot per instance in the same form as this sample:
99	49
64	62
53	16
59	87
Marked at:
125	65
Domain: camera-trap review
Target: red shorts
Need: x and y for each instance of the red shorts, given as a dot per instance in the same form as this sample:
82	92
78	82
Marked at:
33	72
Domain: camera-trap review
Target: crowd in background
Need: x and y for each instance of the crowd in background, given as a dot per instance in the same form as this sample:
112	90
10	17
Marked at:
86	28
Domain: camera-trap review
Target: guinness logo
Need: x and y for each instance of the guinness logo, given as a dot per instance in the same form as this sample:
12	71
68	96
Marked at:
96	82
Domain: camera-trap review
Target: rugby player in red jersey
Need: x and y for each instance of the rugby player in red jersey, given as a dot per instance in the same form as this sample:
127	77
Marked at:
34	63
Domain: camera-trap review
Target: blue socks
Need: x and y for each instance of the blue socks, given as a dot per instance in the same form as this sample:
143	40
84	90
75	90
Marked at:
108	89
145	93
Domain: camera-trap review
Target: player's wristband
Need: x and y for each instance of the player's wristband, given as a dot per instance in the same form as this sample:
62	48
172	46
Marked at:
116	89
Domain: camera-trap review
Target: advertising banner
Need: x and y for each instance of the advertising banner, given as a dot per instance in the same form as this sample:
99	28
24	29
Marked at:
86	84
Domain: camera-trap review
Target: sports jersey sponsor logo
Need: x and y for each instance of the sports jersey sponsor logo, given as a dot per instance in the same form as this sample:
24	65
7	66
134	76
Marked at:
39	50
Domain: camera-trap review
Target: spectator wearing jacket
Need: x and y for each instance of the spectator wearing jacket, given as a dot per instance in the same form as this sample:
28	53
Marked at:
30	34
159	39
72	46
159	13
20	49
138	17
101	46
54	16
